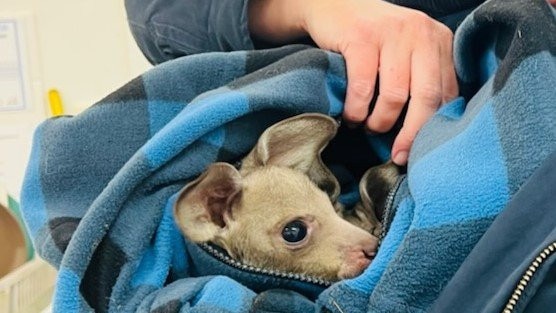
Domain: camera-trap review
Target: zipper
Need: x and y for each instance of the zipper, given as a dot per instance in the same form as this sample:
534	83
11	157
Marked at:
215	252
388	215
527	276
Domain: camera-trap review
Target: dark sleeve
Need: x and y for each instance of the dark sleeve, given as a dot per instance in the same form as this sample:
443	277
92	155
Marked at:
167	29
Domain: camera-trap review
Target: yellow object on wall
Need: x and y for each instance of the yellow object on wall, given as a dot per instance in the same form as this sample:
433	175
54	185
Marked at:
55	102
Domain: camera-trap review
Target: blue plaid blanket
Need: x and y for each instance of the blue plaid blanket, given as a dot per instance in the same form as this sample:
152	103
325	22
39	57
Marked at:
99	188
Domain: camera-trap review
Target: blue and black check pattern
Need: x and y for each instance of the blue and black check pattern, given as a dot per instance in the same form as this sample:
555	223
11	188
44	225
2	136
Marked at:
100	186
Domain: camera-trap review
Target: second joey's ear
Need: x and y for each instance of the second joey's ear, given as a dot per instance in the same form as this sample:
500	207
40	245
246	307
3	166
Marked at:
375	185
297	143
204	205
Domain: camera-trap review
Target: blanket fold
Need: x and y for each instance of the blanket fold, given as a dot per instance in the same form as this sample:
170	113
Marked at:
98	189
100	186
468	161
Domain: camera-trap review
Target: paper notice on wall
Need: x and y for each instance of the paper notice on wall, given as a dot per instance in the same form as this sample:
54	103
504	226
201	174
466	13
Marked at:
12	72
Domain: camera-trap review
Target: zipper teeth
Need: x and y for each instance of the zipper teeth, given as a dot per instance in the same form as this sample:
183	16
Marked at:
527	276
388	207
249	268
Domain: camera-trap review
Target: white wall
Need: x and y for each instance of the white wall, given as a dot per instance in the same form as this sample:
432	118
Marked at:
83	48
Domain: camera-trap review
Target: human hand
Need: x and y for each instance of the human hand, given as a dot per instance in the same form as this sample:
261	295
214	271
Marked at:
411	52
408	51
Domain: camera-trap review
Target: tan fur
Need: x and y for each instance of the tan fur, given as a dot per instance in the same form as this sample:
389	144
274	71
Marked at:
280	181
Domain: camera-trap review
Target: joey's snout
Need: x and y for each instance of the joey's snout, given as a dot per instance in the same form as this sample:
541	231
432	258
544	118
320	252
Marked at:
369	247
358	256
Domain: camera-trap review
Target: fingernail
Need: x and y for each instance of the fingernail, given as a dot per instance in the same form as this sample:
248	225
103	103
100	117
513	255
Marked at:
400	158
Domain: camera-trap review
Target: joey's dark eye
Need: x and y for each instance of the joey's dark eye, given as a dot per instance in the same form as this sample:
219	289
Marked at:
294	231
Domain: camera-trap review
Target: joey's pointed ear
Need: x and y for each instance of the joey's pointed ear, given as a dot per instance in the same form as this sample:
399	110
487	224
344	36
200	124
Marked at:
204	205
375	185
297	143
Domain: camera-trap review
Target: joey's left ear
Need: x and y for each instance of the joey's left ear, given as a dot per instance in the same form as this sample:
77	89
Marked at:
297	143
375	185
205	204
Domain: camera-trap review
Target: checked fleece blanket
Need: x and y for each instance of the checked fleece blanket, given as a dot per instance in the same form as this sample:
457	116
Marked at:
99	187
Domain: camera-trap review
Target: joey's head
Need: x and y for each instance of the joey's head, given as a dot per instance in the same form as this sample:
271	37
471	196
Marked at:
274	218
276	212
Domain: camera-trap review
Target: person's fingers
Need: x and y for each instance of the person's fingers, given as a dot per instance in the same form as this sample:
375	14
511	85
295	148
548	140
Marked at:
426	95
401	146
449	82
394	75
361	65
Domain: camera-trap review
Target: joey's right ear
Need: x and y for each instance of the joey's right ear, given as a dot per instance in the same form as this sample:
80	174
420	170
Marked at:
204	205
